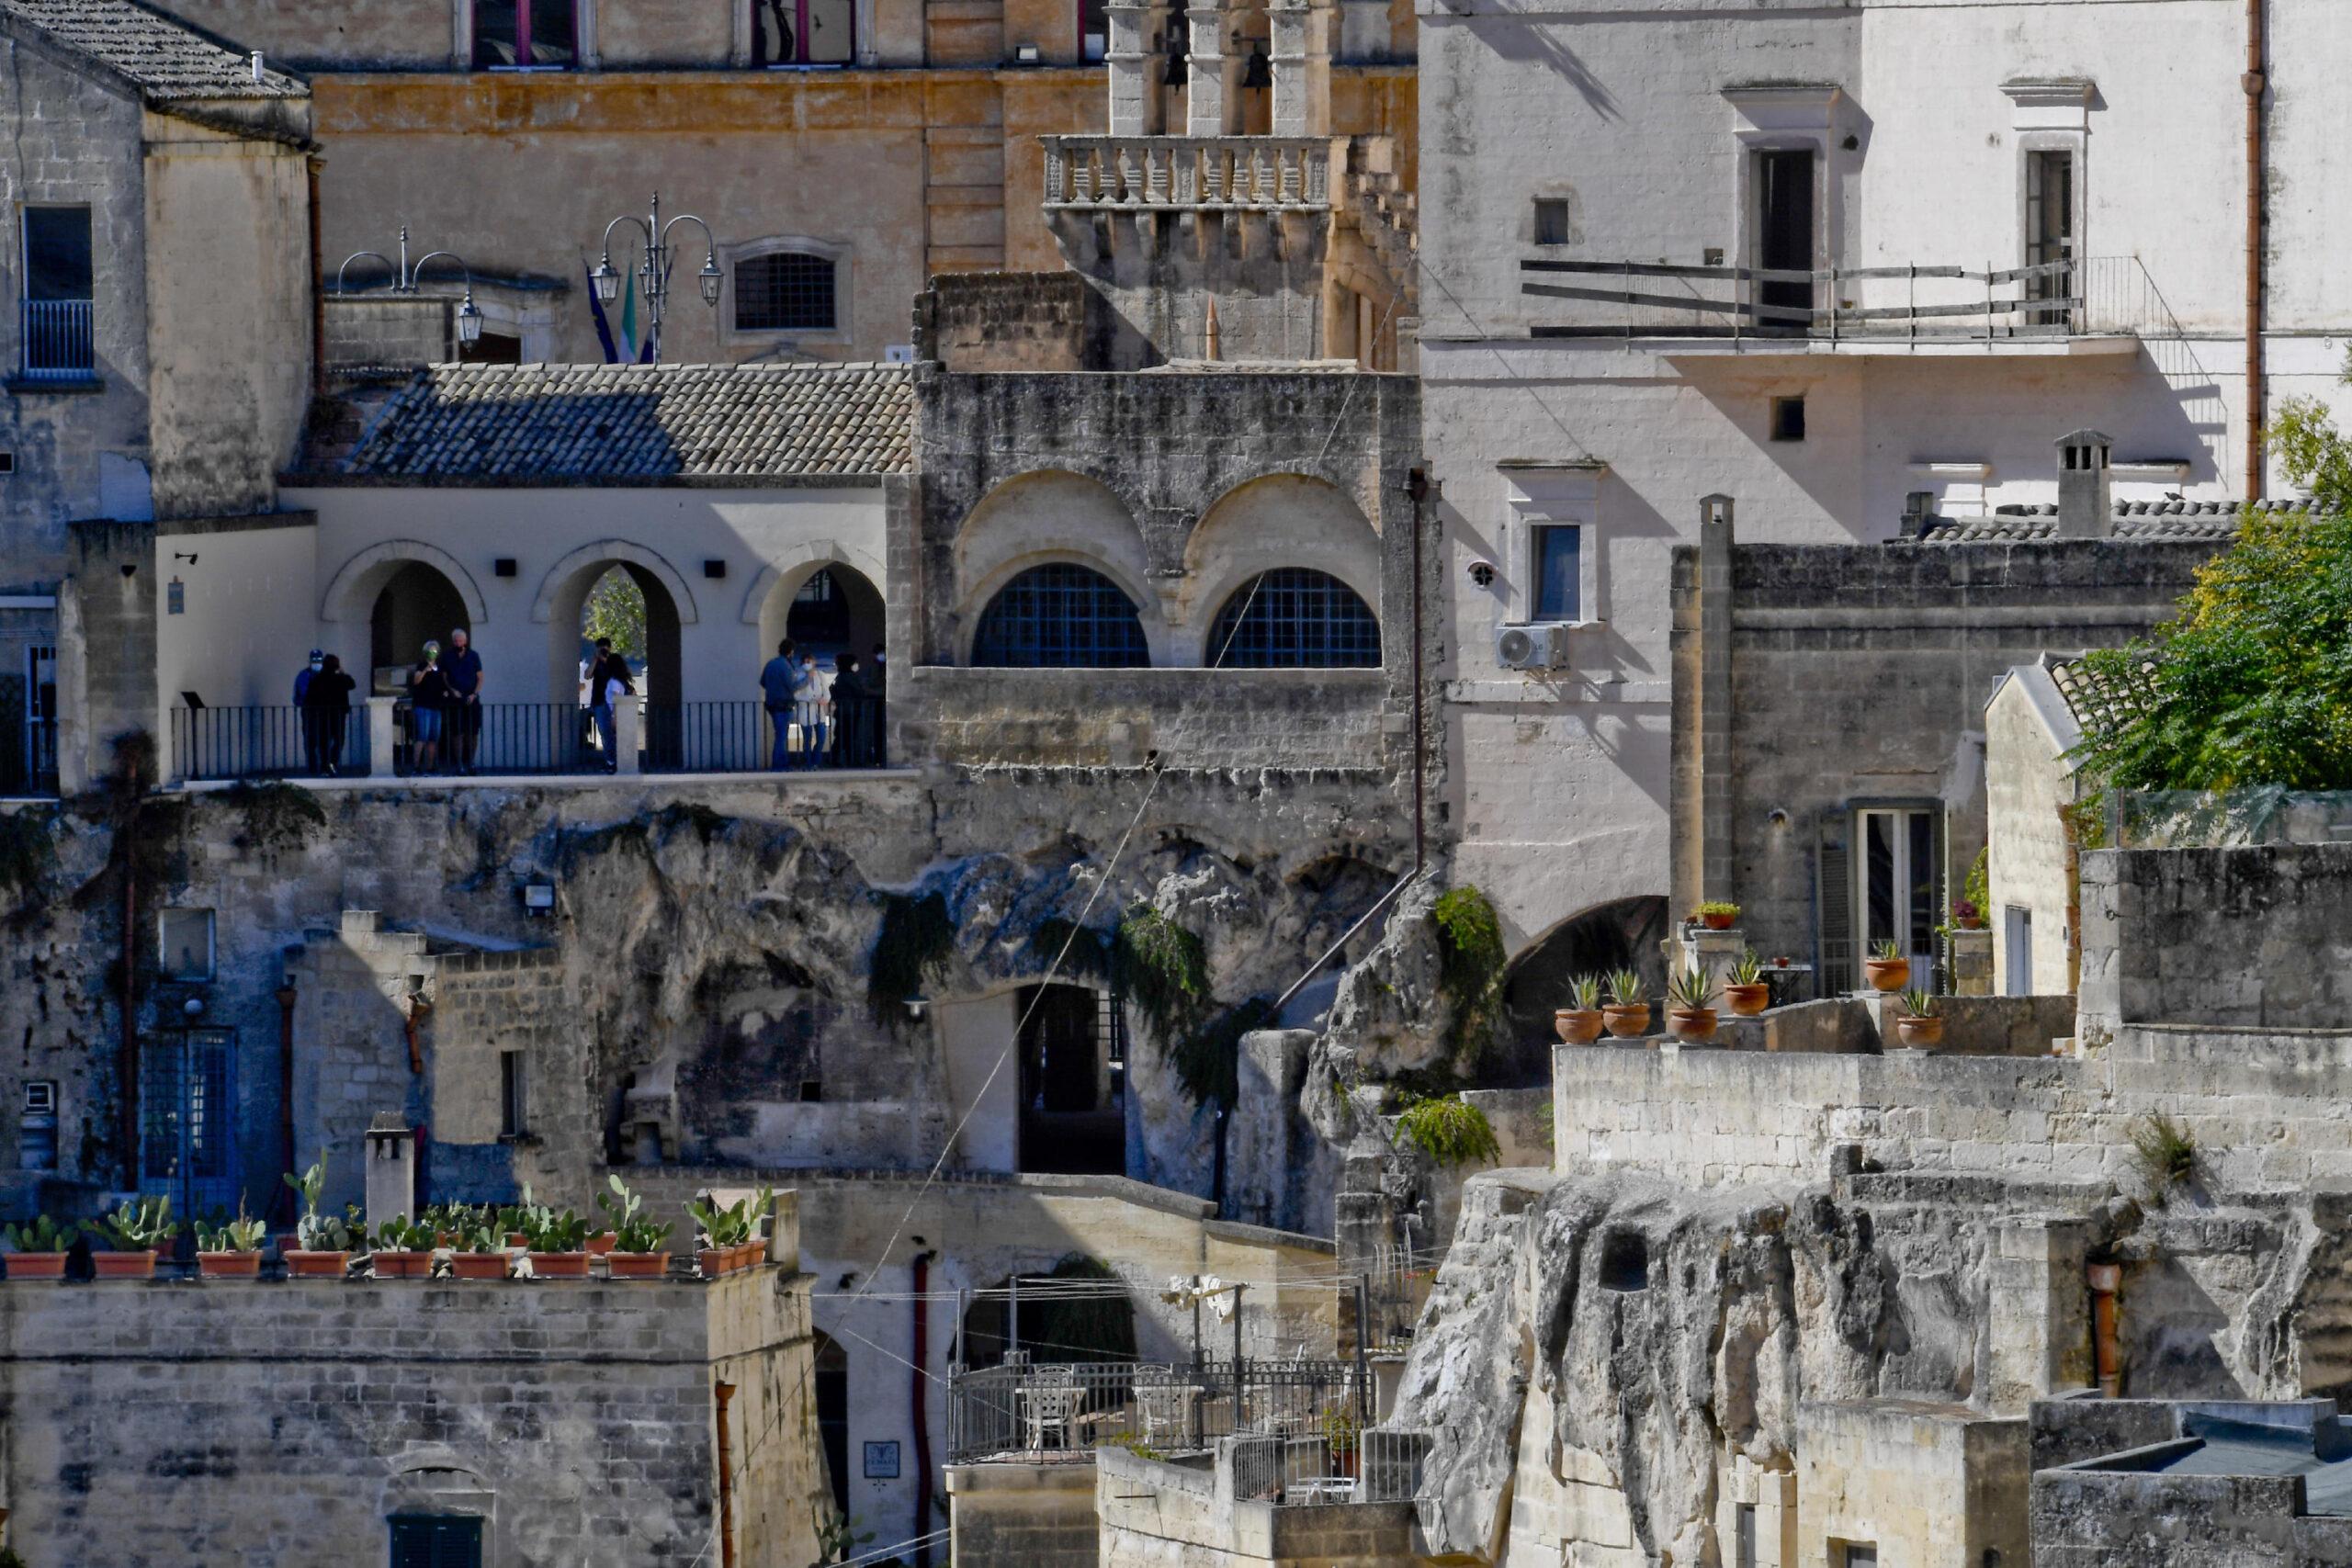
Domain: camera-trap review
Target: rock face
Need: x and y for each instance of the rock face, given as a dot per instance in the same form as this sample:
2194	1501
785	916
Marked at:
1615	1329
1391	1011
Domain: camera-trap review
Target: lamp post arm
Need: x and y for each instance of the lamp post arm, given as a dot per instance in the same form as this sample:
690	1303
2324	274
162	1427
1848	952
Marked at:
380	260
417	273
709	244
615	223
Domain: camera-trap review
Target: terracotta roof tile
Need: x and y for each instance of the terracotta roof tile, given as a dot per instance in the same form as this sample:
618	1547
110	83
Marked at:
2159	521
167	60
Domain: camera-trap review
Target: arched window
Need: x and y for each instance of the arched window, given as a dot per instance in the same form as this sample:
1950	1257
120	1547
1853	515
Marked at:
1294	618
1060	616
785	291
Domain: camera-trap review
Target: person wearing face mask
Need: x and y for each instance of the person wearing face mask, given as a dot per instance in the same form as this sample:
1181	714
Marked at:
302	679
428	691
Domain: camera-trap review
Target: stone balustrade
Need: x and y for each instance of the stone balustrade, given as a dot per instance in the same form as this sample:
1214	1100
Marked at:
1275	173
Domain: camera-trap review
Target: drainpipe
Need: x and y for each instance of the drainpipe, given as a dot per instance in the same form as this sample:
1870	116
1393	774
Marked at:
2255	82
922	1422
1417	485
417	1009
2104	1280
282	1205
724	1393
318	288
127	1066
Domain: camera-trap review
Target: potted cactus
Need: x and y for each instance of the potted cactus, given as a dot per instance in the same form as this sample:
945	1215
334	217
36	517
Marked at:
1688	1016
323	1242
1717	916
230	1249
1627	1013
636	1252
137	1230
557	1244
1887	968
1920	1024
37	1248
403	1249
730	1236
479	1249
1579	1022
1745	989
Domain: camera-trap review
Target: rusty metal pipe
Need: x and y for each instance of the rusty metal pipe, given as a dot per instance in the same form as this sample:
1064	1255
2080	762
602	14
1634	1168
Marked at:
723	1392
2105	1280
2255	83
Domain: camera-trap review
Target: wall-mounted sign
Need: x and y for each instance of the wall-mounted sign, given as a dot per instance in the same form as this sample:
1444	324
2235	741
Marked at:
881	1462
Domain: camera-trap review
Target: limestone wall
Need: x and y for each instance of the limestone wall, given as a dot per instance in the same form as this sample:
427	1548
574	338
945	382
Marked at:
2028	784
1932	1486
1255	718
1012	1516
2120	1520
278	1425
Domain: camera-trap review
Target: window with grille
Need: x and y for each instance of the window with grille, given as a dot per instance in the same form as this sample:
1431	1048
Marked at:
185	1135
1294	618
790	291
436	1540
1060	616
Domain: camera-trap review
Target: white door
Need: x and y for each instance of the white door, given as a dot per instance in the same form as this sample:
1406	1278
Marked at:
1895	885
2016	952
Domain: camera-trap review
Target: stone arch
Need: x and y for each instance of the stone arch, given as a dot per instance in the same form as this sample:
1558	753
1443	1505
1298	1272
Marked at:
793	564
356	584
1044	515
1620	933
1146	604
1268	522
608	553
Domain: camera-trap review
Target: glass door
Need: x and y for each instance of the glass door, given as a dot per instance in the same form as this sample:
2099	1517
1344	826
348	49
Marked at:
1895	885
2049	233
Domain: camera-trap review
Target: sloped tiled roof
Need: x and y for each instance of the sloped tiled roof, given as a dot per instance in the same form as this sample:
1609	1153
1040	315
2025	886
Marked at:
2088	694
2147	521
574	422
168	60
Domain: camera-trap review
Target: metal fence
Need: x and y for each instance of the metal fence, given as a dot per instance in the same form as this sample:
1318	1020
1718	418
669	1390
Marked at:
59	340
743	736
1032	1411
1373	1464
265	742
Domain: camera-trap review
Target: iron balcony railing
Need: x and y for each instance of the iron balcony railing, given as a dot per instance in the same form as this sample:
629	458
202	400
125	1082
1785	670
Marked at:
744	737
265	742
2098	296
1020	1412
57	340
1345	1464
1260	173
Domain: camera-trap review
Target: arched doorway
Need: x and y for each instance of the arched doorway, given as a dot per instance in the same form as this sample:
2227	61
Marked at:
833	610
1077	1311
415	605
830	1380
1073	1081
1626	934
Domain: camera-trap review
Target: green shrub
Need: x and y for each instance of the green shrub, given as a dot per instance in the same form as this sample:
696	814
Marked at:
1451	1131
917	939
1470	962
2166	1152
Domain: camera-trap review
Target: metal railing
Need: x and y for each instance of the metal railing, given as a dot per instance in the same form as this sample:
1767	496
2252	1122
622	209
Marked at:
266	742
57	340
1027	1412
1376	1464
743	736
2096	296
504	738
1253	172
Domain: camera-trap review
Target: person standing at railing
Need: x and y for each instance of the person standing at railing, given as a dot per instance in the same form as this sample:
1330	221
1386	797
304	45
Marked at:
302	679
809	697
852	704
326	711
465	675
878	691
429	693
610	682
781	683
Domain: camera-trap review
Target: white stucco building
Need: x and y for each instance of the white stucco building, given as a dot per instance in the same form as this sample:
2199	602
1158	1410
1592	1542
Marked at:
2069	181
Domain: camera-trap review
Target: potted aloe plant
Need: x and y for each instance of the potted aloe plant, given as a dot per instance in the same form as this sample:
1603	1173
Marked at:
1628	1011
636	1252
1579	1022
137	1230
557	1244
1887	968
323	1242
1920	1024
1717	916
479	1249
1745	988
230	1249
1689	1015
403	1249
37	1248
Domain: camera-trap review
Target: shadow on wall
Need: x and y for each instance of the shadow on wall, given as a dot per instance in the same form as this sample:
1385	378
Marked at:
1626	934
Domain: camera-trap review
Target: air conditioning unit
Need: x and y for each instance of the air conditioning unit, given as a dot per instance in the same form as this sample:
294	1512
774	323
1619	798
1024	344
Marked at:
1531	647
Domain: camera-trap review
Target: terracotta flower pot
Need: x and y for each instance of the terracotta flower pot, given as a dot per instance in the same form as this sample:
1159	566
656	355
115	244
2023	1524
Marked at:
751	1254
1717	922
600	1244
301	1265
516	1238
1694	1024
558	1265
1746	1001
1626	1023
229	1265
1577	1026
1888	974
1972	922
36	1266
480	1265
637	1265
403	1265
124	1265
1920	1030
714	1261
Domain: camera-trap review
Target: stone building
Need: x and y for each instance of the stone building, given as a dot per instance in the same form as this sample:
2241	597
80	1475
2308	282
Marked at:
2032	790
159	356
842	151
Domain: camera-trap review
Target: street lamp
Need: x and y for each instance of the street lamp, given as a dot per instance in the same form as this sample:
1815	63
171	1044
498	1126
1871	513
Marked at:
660	258
405	278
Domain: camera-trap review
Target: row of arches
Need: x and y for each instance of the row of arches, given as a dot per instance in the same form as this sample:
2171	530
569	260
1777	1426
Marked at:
1063	614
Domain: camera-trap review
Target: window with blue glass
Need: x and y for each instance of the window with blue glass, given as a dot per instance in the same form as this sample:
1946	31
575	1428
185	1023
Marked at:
1558	551
1294	618
1060	616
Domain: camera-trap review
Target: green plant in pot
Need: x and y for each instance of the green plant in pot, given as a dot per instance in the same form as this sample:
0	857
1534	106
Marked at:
1718	916
1690	1004
729	1235
1887	967
557	1242
230	1249
1746	991
137	1231
1627	1012
1580	1022
1920	1023
477	1248
37	1247
323	1242
405	1248
639	1240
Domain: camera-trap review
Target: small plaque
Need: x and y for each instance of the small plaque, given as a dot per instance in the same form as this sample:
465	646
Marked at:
881	1462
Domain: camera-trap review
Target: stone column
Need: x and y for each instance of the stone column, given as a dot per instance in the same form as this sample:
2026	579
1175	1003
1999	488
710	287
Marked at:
383	737
1698	813
392	1169
1712	952
1301	57
1971	961
1131	68
1210	80
628	717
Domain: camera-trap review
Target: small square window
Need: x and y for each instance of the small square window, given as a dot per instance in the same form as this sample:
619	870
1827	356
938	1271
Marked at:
1558	552
1788	419
812	1091
187	943
1551	220
513	1108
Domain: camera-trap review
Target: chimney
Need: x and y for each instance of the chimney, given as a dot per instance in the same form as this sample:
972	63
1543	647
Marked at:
259	73
2085	507
392	1169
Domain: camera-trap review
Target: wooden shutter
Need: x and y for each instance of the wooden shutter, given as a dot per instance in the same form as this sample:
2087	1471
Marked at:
1833	956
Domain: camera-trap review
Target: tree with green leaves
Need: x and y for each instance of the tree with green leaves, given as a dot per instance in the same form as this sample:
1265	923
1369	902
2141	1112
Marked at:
2251	683
617	609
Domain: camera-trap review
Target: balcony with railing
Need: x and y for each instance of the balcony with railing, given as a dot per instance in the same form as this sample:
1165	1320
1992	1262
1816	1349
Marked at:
1118	173
57	341
2099	304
